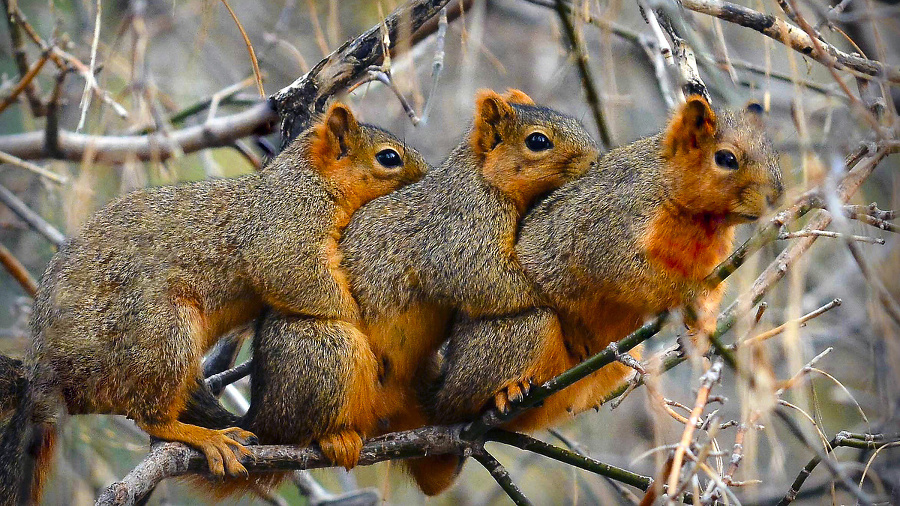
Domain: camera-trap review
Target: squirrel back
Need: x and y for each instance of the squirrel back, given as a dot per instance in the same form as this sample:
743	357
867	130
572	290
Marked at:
463	216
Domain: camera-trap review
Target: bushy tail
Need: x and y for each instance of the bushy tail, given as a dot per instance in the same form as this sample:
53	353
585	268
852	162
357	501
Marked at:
233	488
26	448
435	473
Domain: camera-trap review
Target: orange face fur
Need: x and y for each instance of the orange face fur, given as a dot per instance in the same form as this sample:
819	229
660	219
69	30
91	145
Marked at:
525	150
360	161
721	168
719	172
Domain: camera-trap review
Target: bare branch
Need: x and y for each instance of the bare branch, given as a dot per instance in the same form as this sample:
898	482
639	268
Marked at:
167	460
33	219
501	476
221	131
793	37
18	271
296	104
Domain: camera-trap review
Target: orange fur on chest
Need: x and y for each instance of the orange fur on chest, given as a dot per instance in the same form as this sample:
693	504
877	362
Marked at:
688	246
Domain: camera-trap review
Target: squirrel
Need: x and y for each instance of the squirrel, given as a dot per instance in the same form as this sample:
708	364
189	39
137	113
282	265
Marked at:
414	258
634	236
128	306
445	244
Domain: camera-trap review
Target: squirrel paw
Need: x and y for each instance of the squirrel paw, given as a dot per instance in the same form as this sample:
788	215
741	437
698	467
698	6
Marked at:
224	451
342	448
512	394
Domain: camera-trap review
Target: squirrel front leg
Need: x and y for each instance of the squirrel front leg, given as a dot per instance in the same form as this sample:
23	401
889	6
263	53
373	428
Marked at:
493	361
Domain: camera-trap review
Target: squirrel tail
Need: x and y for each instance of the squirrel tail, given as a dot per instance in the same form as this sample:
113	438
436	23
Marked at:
435	473
233	488
26	447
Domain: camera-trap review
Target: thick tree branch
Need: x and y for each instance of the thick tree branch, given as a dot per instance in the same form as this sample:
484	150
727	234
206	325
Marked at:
167	460
301	100
72	146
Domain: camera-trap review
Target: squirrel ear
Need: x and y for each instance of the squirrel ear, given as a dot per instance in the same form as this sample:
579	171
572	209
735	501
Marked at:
340	124
755	108
755	112
693	125
491	111
514	96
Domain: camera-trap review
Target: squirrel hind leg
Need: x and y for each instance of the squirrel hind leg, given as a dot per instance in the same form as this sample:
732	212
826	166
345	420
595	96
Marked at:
342	447
222	448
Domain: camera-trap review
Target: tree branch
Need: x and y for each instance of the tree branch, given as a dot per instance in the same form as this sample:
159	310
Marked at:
793	37
295	104
167	460
301	100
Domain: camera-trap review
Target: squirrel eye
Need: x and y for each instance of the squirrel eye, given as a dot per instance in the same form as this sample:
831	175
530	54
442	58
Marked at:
389	158
538	142
726	159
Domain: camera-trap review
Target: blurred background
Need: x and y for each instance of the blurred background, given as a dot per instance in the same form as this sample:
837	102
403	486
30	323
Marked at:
156	58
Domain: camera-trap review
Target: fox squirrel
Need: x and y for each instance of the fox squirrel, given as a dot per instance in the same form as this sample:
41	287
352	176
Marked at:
445	244
635	235
127	308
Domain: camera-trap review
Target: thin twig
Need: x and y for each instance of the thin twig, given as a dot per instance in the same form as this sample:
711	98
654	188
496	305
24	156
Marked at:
437	66
587	79
15	22
861	496
799	321
253	60
89	80
30	217
25	82
18	271
710	378
531	444
828	233
18	162
501	476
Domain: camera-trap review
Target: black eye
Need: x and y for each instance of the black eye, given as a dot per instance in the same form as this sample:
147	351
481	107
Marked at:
389	158
538	142
726	159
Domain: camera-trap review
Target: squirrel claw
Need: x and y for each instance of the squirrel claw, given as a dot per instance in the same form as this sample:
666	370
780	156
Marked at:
502	402
242	436
512	394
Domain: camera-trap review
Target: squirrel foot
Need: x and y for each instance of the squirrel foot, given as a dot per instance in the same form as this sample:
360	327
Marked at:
512	394
342	448
223	448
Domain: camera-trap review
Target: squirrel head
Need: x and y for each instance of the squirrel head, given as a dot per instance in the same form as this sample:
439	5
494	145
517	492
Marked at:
722	165
361	162
525	150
